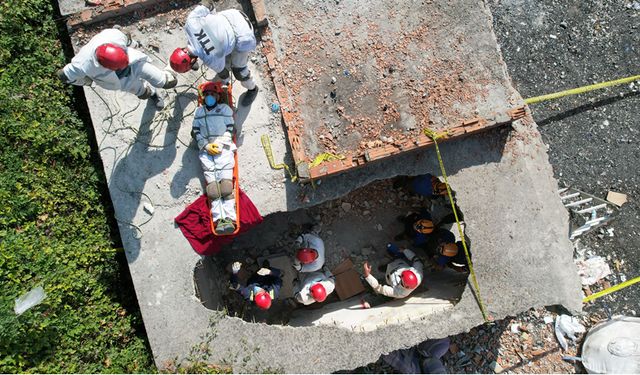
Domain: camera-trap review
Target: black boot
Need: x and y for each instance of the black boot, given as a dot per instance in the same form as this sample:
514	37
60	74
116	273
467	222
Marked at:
249	97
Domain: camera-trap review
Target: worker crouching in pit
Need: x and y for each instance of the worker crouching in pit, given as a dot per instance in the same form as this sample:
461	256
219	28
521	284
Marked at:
403	274
310	253
213	127
261	288
314	282
314	286
447	249
109	61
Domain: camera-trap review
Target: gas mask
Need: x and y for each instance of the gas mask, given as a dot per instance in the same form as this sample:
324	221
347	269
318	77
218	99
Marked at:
210	101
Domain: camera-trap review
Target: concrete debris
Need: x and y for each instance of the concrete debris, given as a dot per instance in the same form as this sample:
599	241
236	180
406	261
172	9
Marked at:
495	367
593	270
617	198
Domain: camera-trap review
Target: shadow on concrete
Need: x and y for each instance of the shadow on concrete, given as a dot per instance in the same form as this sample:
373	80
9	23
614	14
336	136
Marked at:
242	113
145	158
458	154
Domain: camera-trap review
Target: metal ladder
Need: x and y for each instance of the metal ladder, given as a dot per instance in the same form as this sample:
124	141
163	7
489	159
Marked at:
594	212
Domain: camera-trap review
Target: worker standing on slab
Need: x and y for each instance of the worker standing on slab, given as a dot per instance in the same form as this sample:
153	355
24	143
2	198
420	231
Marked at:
110	62
222	40
404	274
262	287
314	286
310	253
213	127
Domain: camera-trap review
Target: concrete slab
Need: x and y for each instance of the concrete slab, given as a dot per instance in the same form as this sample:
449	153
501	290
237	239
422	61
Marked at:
364	80
503	180
444	288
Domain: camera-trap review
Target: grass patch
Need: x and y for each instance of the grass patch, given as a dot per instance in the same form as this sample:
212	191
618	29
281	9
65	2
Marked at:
54	230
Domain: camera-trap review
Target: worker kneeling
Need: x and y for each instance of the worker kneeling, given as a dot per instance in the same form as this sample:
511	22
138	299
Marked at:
213	126
310	253
404	274
109	61
314	287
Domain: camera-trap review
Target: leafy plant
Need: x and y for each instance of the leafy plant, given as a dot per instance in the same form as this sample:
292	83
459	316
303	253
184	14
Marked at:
54	229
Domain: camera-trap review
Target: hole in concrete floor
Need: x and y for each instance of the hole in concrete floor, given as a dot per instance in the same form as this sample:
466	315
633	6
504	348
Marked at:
357	226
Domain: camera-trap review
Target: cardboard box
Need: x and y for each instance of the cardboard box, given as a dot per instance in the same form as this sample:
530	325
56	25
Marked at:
348	283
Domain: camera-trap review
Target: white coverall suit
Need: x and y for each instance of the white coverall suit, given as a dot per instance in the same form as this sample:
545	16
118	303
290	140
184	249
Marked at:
313	242
301	289
214	126
139	78
222	39
393	276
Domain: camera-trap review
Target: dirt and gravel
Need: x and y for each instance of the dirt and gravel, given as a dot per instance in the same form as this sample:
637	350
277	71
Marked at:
593	138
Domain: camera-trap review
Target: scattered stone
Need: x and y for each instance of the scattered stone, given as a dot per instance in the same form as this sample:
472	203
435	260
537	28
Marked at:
496	367
149	208
334	80
379	227
346	206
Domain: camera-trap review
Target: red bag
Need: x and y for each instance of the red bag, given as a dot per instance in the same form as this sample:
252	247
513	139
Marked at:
195	224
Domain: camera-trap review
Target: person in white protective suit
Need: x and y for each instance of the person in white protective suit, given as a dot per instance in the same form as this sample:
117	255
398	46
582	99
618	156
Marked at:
213	127
310	253
222	40
314	286
109	62
403	274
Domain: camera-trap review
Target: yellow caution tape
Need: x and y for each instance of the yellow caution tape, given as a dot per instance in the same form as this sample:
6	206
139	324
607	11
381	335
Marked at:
266	145
325	156
611	290
435	136
581	90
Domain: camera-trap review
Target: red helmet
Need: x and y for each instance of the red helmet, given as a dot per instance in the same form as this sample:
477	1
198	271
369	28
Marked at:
307	255
318	292
112	57
262	300
409	279
181	61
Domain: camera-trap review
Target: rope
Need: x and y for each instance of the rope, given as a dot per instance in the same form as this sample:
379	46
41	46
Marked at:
325	156
581	90
266	145
433	135
612	289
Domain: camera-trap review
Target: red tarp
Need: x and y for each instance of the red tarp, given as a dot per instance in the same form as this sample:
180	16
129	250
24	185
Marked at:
195	224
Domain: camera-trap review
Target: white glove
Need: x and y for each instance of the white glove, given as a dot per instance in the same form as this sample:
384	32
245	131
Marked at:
264	272
235	267
297	265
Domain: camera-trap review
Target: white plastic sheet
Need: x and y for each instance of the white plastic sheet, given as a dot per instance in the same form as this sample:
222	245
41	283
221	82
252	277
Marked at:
592	269
567	326
29	299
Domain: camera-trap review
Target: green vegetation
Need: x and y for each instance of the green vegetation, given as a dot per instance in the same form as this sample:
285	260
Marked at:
54	230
